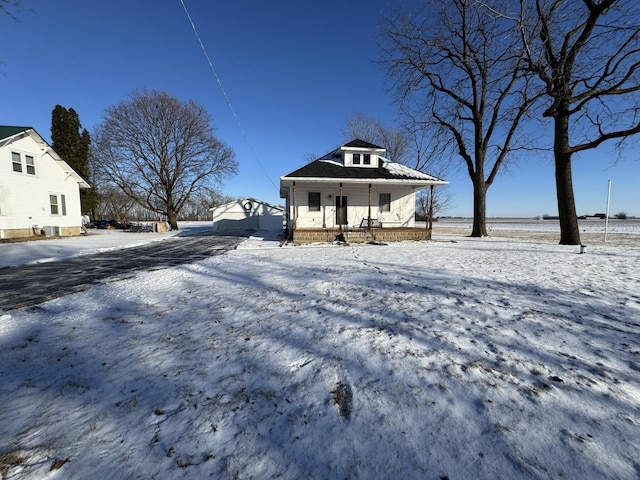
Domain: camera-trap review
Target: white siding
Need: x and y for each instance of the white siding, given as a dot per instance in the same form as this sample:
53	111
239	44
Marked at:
25	197
401	214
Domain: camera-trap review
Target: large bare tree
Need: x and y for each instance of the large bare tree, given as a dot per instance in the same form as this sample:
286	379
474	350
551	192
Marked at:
462	65
160	151
587	55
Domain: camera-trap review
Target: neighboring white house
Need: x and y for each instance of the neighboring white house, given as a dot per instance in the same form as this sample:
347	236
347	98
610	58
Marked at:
354	192
39	192
247	214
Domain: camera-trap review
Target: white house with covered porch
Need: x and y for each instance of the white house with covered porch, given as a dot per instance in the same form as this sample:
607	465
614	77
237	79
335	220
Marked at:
354	193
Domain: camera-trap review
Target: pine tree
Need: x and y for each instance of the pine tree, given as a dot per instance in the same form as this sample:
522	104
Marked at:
72	143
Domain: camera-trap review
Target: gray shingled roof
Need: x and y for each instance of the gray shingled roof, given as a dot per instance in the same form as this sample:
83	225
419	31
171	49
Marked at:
357	143
331	166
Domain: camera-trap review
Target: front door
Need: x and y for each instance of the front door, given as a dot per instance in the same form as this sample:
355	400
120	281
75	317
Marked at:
341	210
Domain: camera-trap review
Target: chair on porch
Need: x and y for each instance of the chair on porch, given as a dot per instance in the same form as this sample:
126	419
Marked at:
375	223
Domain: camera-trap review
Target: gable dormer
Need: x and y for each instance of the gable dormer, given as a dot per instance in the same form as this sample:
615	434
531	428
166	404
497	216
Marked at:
361	154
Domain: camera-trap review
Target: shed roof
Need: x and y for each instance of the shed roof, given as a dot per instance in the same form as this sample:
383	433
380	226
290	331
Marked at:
245	199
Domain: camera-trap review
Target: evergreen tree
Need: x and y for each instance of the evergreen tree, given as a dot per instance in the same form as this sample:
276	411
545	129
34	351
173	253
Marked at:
72	143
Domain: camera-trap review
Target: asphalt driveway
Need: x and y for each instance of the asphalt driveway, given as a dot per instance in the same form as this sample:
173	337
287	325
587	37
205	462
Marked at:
32	284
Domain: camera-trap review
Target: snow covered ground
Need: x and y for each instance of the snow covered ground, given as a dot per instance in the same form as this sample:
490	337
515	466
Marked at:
457	358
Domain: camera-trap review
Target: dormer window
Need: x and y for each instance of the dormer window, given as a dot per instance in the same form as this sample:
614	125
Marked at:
359	153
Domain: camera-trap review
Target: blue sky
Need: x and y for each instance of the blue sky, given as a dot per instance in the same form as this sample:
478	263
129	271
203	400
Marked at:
293	71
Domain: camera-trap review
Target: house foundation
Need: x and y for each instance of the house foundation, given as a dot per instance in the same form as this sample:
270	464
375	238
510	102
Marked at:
360	235
25	233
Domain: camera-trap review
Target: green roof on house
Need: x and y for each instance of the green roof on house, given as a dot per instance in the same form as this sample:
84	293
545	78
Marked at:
8	131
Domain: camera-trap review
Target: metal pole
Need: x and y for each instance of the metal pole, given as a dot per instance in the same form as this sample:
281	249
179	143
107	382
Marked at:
606	218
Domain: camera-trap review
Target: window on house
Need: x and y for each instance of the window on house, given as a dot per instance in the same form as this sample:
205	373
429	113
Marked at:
63	204
385	202
356	159
17	162
314	201
366	160
53	201
31	164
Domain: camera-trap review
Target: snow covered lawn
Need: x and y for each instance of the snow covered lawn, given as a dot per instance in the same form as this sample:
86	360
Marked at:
458	358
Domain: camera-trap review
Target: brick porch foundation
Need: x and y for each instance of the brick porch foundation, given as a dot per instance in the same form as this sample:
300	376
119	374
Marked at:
360	235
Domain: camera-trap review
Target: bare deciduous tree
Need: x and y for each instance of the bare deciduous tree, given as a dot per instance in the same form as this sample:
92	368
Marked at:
199	206
409	145
587	55
374	131
160	151
463	67
114	205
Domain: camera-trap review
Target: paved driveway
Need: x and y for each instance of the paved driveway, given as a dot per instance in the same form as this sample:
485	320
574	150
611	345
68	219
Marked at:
33	284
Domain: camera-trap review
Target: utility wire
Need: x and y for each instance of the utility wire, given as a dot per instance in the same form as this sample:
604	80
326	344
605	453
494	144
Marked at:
224	93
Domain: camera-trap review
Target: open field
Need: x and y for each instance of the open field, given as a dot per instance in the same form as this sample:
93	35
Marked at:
592	232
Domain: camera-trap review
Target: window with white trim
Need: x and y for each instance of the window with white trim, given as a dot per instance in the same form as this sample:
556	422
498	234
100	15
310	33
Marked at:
314	201
29	163
53	202
385	202
366	160
58	204
356	159
16	160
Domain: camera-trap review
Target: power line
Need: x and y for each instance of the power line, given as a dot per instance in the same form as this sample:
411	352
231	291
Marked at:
224	93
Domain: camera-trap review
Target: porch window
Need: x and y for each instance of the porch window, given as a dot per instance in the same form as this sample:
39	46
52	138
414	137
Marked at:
31	164
314	201
16	161
385	202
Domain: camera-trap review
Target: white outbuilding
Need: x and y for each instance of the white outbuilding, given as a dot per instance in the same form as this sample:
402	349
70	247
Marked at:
247	214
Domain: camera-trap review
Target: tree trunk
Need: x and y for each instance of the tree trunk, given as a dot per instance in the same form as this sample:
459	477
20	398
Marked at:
479	207
172	219
569	229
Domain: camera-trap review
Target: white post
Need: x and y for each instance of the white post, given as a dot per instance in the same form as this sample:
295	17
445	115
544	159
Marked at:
606	217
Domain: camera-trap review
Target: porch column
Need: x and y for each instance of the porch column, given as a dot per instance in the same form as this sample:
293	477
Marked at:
340	207
293	202
430	222
369	218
